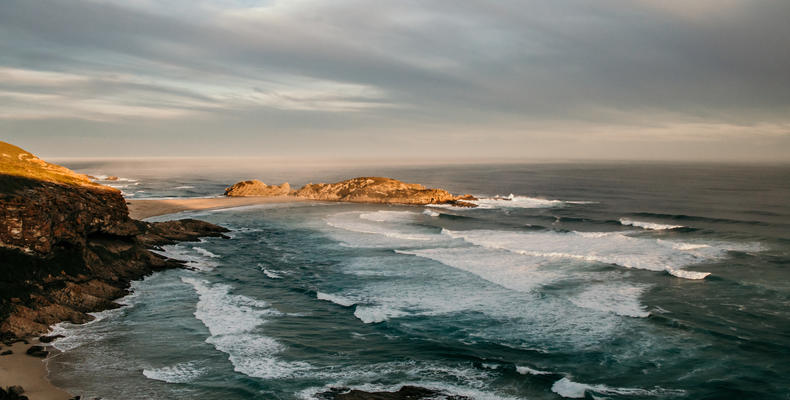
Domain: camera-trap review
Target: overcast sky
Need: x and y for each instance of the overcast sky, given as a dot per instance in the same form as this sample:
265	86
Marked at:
561	79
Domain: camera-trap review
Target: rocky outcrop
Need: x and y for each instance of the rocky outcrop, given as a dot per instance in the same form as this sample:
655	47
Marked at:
359	190
404	393
68	246
378	190
257	188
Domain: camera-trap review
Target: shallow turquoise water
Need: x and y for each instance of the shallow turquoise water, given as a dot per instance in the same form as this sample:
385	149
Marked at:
585	283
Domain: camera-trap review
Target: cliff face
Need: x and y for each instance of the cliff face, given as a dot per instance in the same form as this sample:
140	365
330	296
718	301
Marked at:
257	188
359	190
68	246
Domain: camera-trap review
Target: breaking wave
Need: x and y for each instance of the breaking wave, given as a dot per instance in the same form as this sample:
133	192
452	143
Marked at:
339	300
648	225
179	373
605	247
233	322
513	201
574	390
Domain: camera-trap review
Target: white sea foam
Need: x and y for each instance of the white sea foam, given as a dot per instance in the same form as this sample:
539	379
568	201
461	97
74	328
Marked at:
447	391
530	371
689	246
190	255
526	273
511	270
271	274
377	224
389	216
431	213
184	187
574	390
517	202
513	201
340	300
102	177
376	314
680	273
179	373
617	297
76	335
233	322
605	247
205	252
648	225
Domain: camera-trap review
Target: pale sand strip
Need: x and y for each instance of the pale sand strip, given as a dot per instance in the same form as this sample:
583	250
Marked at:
20	369
145	208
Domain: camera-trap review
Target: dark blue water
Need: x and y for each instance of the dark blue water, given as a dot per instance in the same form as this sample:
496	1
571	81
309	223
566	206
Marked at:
598	281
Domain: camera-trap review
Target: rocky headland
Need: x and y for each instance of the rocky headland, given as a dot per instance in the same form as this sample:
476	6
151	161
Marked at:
357	190
257	188
68	246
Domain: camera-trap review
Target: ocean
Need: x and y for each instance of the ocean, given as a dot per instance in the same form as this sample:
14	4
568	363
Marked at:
618	281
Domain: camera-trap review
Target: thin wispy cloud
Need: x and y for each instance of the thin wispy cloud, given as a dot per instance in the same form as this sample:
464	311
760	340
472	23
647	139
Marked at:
363	75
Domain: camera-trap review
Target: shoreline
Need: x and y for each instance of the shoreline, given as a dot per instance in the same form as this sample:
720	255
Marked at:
147	208
31	373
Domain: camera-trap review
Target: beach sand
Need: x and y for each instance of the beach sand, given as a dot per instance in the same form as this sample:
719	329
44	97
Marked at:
145	208
20	369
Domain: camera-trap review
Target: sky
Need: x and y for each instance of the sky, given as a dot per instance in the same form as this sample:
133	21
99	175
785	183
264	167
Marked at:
702	80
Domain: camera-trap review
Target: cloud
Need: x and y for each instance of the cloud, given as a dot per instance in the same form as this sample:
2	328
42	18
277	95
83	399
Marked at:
505	68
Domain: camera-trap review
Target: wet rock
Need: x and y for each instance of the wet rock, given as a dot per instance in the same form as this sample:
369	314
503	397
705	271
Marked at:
49	339
15	390
12	393
404	393
37	351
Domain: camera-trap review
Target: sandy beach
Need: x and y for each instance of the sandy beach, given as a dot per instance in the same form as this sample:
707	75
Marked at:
20	369
146	208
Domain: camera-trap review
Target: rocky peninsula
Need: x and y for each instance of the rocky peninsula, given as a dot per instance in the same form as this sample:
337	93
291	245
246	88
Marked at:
68	246
377	190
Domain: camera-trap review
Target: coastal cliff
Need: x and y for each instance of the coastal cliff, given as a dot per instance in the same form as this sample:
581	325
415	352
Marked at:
358	190
68	246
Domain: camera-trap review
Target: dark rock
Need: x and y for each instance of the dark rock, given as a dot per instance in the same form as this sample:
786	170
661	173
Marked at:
404	393
7	352
49	339
37	351
15	390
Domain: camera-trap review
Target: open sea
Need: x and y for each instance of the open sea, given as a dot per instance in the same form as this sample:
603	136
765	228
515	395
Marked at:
597	281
